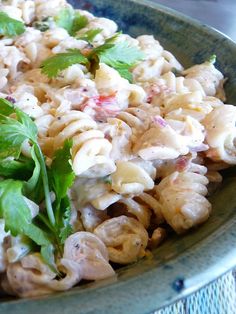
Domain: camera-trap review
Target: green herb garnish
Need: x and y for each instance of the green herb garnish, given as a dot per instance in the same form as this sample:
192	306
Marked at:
71	20
90	35
61	61
49	229
9	26
119	55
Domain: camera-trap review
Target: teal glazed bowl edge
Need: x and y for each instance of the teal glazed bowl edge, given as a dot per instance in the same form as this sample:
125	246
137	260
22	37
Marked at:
200	256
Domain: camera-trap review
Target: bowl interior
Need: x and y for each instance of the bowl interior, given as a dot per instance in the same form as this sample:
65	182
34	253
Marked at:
202	254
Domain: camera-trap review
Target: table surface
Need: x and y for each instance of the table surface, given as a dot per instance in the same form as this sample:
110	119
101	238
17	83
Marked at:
221	14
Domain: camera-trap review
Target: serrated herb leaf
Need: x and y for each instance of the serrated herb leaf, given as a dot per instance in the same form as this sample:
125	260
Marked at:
18	218
79	22
64	226
9	26
61	179
61	173
13	207
13	132
54	65
31	184
47	253
21	168
119	55
71	21
123	70
90	35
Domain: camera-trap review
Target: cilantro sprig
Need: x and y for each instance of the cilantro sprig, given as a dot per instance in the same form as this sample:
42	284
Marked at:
90	35
61	61
71	20
9	26
119	55
51	227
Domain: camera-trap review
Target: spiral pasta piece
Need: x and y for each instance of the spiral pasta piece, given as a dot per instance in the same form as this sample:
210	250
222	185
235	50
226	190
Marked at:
189	104
182	196
156	61
129	178
90	151
27	101
124	237
107	27
29	277
109	82
91	217
221	133
90	253
45	8
119	133
161	142
209	77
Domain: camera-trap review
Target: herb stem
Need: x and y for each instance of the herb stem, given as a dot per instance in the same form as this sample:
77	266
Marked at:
45	221
45	185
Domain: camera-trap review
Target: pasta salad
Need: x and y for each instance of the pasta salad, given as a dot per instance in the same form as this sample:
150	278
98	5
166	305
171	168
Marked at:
106	145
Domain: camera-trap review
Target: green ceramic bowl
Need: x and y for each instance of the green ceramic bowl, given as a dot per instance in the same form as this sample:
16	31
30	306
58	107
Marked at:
198	257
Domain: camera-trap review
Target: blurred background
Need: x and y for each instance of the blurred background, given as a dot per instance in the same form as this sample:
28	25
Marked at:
220	14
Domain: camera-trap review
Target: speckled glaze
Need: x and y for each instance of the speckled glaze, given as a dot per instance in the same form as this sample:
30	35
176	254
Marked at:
196	258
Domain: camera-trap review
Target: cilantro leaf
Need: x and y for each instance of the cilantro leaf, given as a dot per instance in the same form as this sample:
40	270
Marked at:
61	173
31	184
79	22
17	216
64	226
61	61
21	168
6	107
90	35
61	179
47	253
13	207
9	26
13	132
65	19
71	21
123	70
119	55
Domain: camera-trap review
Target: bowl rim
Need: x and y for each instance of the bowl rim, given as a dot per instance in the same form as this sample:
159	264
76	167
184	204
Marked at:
93	300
